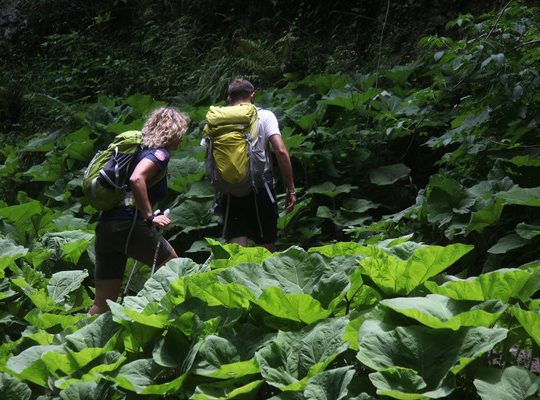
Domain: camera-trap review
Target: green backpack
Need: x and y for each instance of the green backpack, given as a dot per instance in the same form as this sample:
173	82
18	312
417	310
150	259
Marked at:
105	178
235	157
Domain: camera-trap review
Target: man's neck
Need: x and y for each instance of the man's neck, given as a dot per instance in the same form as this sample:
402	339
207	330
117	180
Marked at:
241	101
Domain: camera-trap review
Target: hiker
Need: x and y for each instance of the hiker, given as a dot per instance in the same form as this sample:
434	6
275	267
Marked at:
252	215
131	230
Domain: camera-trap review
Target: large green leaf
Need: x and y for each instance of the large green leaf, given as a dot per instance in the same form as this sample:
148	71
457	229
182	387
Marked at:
525	161
242	255
143	377
330	385
441	312
200	190
507	243
44	320
399	383
530	321
42	142
294	357
502	285
144	328
108	363
95	334
175	350
388	174
63	283
5	289
227	390
400	247
81	391
28	364
130	316
185	170
11	388
296	272
20	214
68	361
396	277
159	284
527	231
432	353
306	114
521	196
39	297
357	206
119	127
71	243
445	198
10	253
79	145
142	104
295	307
330	189
513	383
193	215
487	216
341	249
49	170
10	156
220	358
349	100
342	219
206	288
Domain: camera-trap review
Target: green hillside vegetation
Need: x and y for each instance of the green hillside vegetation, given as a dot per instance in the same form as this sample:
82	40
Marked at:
408	270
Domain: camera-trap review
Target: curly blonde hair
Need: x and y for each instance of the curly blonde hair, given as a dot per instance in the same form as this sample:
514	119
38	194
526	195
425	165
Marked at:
163	126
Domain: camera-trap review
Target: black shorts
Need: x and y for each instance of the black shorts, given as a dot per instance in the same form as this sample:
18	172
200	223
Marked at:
111	255
242	219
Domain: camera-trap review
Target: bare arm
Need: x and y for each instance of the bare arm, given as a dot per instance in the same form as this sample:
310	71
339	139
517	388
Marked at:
143	173
285	166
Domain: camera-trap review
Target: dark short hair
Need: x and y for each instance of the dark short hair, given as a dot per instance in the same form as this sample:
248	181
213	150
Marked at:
240	89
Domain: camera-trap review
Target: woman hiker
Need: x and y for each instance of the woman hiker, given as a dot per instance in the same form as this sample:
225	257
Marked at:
131	230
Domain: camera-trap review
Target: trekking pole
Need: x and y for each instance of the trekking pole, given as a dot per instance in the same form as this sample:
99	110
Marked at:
166	213
137	264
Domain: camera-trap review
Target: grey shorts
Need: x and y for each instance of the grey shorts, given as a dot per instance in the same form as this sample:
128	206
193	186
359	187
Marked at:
111	255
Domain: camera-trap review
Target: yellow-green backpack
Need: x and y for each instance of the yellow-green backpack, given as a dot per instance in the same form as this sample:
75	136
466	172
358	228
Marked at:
235	160
106	176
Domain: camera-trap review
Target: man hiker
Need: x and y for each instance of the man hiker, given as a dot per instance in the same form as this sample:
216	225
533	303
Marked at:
254	215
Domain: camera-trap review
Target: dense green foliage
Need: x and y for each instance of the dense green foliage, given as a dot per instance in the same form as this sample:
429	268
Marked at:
412	178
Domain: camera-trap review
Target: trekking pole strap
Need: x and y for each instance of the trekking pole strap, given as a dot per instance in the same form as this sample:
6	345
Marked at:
131	229
158	246
258	216
226	218
155	257
270	195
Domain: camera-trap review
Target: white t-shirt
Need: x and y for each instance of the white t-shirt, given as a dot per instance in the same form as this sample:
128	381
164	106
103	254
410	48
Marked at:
268	126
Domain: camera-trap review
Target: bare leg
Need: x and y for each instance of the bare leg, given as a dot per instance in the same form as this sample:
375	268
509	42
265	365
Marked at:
106	289
171	256
269	246
241	240
109	289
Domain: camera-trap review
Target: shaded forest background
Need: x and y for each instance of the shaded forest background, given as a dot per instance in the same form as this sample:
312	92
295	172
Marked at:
58	52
